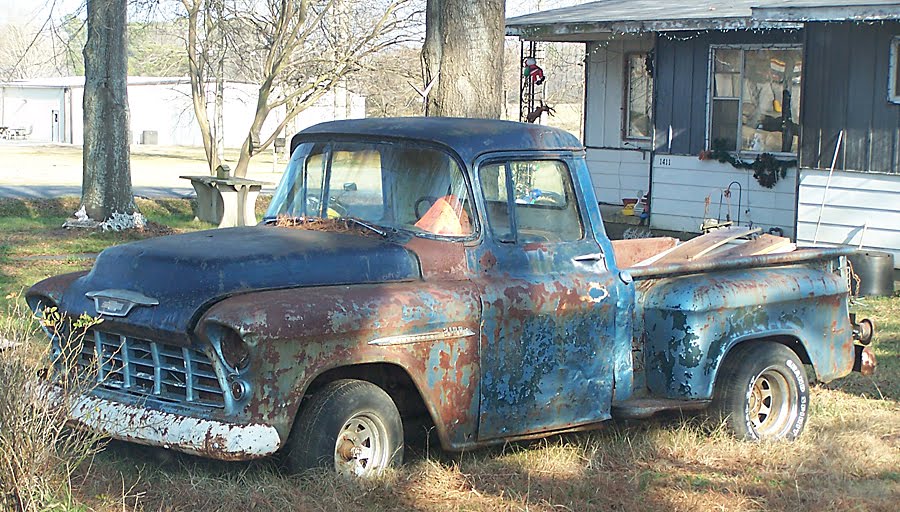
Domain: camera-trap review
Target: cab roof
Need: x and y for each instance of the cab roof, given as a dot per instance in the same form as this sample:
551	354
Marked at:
468	137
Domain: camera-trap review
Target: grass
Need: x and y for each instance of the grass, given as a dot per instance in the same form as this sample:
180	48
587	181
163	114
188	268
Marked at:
847	459
38	453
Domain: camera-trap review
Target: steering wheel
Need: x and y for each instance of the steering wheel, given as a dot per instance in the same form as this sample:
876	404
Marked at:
314	207
430	199
550	199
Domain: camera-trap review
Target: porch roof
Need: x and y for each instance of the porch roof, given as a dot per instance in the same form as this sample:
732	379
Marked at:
595	19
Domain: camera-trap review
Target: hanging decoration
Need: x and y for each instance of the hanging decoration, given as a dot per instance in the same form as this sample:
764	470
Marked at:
533	71
535	114
532	85
766	168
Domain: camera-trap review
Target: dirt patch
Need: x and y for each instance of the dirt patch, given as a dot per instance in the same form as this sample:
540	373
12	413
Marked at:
151	229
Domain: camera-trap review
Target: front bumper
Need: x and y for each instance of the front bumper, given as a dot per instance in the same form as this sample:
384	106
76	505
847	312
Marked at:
207	438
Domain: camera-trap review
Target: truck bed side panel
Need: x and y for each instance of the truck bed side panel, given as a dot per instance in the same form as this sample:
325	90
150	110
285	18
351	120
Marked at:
691	322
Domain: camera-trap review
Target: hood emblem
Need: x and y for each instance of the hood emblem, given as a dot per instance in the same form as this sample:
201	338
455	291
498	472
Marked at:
118	302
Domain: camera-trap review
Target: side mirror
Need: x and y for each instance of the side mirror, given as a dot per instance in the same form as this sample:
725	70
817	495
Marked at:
350	187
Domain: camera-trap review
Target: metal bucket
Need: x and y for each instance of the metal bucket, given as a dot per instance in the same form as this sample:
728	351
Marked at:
875	271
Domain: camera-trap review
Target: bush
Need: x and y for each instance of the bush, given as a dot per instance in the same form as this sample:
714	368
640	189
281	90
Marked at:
38	452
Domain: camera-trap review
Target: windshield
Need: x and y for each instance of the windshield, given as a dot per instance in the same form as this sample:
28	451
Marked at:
391	185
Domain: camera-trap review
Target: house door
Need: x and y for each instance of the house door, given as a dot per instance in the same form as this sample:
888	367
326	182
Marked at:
55	127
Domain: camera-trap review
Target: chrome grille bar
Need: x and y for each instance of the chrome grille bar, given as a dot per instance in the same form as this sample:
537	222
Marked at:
157	369
153	370
126	363
188	377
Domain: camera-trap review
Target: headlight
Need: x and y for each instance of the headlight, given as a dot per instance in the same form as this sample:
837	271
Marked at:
235	353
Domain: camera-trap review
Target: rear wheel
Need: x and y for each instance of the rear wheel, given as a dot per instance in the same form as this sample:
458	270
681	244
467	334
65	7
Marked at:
762	393
352	426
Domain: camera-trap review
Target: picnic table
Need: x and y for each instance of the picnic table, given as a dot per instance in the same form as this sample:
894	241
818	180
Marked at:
13	133
228	201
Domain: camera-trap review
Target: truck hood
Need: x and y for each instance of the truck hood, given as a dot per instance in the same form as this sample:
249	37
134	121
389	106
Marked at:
185	273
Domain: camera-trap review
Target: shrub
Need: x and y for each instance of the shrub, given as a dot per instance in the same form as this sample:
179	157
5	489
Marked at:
38	452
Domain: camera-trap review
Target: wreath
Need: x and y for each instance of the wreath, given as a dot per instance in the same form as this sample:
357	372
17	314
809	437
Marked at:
767	169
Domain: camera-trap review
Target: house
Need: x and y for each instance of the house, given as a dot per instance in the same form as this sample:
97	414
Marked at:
50	110
813	83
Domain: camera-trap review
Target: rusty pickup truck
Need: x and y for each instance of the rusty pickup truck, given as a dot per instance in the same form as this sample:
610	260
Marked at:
449	271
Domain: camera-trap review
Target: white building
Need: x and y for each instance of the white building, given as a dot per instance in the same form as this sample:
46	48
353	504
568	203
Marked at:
50	110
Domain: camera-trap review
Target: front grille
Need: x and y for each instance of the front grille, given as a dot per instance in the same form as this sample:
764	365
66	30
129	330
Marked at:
155	371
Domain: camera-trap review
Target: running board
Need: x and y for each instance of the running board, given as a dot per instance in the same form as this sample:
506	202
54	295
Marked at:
645	407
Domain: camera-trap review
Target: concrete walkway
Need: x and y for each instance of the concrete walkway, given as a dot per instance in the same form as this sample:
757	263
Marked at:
51	191
55	170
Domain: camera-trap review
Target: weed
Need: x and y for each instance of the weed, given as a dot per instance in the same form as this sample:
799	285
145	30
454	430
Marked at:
38	452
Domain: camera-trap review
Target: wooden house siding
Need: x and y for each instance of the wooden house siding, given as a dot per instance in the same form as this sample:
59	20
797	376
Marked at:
682	84
681	185
605	90
618	169
846	88
617	174
860	208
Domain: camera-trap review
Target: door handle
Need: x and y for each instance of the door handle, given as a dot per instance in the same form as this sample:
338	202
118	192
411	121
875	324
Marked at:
589	258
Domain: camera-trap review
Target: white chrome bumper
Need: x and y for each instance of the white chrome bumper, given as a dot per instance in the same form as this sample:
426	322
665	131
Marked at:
208	438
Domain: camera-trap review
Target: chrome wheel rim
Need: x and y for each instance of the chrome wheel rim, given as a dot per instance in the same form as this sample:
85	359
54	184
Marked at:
772	405
360	447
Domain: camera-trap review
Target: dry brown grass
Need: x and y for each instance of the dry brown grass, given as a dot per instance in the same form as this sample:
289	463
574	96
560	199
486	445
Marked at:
651	466
38	453
848	459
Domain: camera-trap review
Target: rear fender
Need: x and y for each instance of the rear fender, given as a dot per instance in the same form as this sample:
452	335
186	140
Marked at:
693	322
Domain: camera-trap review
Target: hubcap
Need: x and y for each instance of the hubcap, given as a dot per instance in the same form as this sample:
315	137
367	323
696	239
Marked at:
360	447
772	407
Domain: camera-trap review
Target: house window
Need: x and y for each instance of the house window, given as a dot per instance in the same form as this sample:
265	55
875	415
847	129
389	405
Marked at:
894	72
755	98
638	96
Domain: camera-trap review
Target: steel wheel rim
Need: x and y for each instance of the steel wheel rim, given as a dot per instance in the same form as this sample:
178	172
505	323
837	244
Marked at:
772	405
360	447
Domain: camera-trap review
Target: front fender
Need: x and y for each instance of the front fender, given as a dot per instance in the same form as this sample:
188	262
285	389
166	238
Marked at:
692	323
52	288
294	336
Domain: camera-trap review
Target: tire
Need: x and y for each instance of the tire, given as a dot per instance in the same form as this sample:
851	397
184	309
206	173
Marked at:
761	393
351	426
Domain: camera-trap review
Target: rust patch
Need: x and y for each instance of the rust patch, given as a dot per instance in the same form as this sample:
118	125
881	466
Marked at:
487	261
440	259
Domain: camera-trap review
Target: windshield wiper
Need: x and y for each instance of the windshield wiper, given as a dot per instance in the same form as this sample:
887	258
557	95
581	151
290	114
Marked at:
367	226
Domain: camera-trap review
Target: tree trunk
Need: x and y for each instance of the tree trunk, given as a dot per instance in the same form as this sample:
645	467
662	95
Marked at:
464	40
220	114
220	86
251	144
197	61
106	186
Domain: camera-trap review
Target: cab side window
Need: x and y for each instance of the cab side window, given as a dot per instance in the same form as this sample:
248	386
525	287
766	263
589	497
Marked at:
542	198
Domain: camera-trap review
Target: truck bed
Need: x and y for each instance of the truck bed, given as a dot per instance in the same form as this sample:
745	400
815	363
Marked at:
648	258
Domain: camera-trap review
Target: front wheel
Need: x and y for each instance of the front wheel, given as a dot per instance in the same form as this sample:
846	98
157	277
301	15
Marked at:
761	393
352	426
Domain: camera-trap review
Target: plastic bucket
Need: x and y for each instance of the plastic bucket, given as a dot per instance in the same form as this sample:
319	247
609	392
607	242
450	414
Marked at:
875	271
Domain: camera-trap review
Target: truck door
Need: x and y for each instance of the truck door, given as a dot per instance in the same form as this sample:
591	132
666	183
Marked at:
548	303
